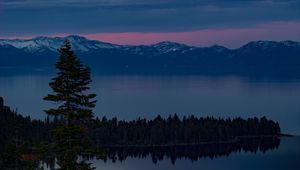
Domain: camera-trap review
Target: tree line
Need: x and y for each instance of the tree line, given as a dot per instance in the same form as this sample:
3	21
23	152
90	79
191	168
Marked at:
176	131
172	130
173	137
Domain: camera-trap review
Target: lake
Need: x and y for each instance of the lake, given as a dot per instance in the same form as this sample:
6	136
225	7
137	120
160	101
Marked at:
286	156
260	153
129	97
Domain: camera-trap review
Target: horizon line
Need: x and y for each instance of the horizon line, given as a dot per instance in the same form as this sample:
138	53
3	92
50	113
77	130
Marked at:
28	38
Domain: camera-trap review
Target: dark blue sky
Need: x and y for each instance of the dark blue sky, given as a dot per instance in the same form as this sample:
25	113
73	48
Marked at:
197	22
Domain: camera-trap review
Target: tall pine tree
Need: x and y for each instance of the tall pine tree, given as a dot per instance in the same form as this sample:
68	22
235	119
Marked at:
74	109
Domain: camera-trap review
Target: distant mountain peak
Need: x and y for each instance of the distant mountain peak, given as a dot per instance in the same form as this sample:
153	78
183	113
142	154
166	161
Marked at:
290	43
261	42
76	38
82	44
43	43
169	46
259	45
168	43
267	45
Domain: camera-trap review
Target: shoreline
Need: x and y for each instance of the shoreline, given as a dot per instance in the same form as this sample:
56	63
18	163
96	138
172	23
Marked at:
233	141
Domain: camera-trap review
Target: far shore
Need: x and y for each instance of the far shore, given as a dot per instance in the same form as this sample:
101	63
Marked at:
232	141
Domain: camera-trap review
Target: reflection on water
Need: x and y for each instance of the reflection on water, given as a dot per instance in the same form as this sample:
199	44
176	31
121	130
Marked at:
195	152
247	154
219	157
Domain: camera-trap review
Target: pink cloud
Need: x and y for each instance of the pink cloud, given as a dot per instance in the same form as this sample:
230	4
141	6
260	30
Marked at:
231	37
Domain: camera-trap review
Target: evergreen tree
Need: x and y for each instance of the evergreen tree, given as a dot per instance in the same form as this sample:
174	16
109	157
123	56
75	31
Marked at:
74	111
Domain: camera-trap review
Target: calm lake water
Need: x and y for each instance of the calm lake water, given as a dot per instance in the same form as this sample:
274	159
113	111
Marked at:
287	157
130	97
277	154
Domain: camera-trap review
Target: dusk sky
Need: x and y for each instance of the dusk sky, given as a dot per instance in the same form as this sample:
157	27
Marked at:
231	23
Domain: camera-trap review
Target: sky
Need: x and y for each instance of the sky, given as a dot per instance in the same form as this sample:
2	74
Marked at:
231	23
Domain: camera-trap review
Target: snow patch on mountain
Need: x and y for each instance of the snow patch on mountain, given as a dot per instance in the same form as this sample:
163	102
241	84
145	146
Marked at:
81	44
45	43
167	47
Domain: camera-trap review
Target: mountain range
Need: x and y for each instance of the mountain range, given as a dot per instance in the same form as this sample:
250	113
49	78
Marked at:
253	58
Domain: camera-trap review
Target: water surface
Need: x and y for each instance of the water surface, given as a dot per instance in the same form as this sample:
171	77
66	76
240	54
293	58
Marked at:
287	157
129	97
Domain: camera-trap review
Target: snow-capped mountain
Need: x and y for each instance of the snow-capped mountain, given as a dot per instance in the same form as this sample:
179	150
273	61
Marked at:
167	47
253	58
41	43
82	44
